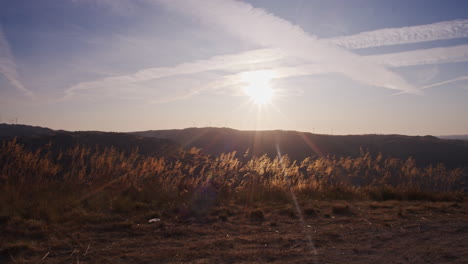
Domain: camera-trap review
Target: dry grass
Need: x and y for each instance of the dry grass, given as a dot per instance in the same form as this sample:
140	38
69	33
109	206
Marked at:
196	174
46	198
46	186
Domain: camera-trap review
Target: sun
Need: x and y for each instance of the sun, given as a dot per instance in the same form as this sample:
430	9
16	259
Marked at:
258	86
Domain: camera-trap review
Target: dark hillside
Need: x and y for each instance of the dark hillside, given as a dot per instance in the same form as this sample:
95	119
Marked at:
120	141
34	138
460	137
7	130
299	145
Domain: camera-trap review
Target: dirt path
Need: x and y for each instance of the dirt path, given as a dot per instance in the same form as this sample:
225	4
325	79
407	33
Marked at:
387	232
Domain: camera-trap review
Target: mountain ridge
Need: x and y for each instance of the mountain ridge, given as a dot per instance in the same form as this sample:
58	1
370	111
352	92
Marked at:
297	145
459	137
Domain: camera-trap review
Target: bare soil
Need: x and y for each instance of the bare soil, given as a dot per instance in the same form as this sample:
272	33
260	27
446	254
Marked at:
327	232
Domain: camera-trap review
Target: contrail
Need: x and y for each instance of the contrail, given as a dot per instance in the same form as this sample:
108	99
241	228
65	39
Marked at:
322	55
264	29
393	36
462	78
8	66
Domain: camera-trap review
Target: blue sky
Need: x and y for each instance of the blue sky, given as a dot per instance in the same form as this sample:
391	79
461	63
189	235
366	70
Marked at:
341	67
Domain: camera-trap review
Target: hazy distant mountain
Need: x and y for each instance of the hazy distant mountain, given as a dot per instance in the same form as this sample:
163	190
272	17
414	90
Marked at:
460	137
37	137
298	145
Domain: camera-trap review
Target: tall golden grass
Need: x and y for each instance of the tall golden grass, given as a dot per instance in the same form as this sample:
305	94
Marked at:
106	178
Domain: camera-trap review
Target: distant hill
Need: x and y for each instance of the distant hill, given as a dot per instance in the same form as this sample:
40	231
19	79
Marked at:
299	145
460	137
7	130
37	137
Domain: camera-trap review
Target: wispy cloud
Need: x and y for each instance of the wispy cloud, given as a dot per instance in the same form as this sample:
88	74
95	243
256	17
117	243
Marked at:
458	79
414	34
8	66
423	56
230	63
323	56
267	30
119	7
228	81
452	29
264	29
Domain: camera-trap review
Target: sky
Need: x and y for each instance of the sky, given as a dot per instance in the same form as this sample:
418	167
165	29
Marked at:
328	67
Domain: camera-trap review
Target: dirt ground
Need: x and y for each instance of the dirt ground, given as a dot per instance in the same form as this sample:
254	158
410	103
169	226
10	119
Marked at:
327	232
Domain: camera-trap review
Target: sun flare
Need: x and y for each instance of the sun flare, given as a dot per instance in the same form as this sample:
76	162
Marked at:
258	86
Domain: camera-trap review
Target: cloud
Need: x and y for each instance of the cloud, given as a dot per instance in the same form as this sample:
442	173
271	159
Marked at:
237	62
423	56
414	34
322	56
118	7
398	59
269	59
232	80
8	66
264	29
452	29
458	79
